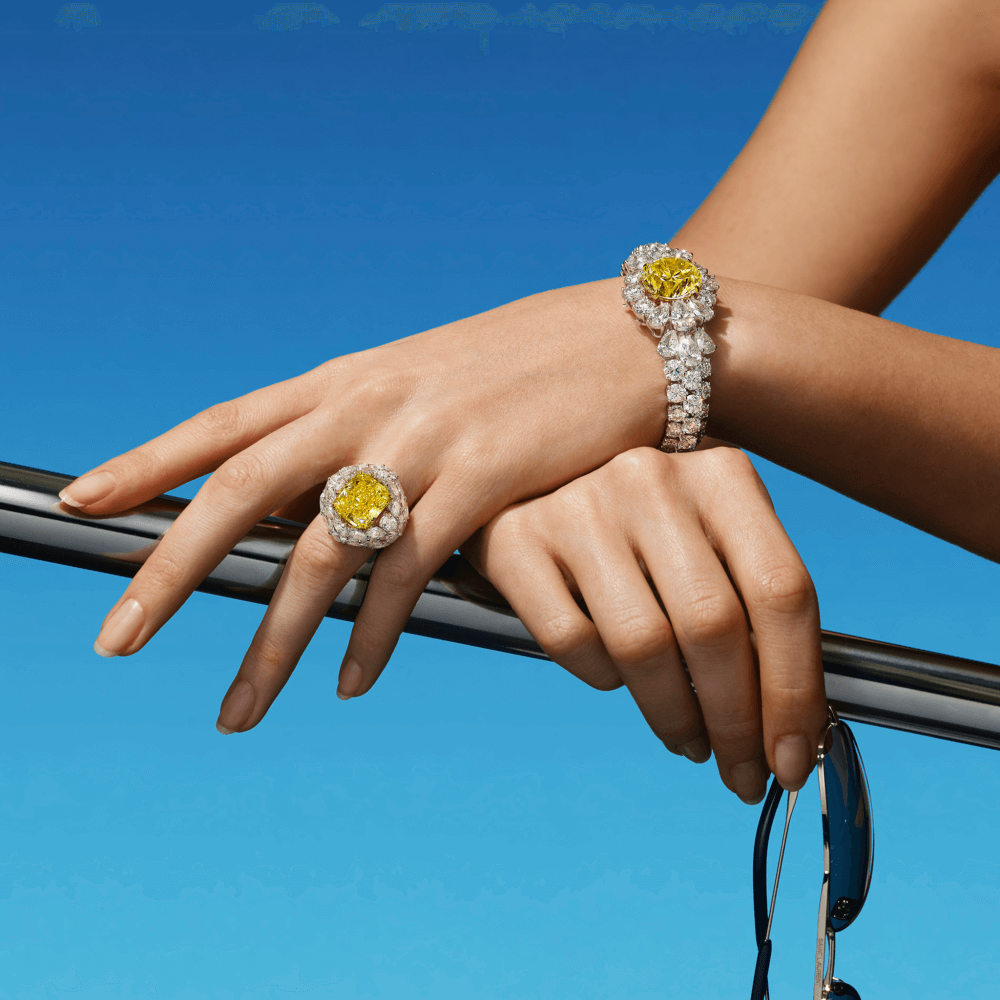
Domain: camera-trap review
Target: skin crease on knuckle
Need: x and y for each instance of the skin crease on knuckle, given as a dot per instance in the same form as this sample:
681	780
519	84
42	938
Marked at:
639	643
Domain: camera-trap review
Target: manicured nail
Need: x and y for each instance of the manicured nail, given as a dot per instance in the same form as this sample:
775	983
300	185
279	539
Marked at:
236	707
350	679
88	490
120	629
794	757
749	780
698	750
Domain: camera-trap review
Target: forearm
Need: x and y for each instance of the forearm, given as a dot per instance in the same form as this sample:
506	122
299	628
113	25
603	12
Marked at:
883	133
902	420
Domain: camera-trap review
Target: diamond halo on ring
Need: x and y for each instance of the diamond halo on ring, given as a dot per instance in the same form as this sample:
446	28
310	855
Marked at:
364	506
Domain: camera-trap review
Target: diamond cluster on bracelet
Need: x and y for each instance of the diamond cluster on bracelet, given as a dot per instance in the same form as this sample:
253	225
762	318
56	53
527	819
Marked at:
674	297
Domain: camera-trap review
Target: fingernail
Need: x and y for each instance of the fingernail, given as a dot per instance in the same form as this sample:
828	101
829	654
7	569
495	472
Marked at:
88	489
236	707
350	679
120	630
698	750
749	781
794	757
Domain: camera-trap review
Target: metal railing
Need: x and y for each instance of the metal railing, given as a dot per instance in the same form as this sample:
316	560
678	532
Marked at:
866	680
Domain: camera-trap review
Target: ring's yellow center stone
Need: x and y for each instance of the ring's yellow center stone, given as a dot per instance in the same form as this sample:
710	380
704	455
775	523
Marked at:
671	278
362	500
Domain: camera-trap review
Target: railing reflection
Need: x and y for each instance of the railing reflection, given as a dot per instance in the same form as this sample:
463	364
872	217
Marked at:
866	680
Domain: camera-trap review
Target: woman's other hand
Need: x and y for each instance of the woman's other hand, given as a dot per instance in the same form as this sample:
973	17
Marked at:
675	556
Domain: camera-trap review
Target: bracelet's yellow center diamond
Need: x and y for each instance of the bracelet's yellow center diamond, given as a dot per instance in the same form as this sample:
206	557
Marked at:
362	500
671	278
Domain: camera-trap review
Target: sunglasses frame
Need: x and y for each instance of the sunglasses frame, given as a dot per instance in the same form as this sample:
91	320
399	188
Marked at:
824	985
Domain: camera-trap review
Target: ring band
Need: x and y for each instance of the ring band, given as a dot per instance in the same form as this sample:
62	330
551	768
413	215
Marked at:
364	506
674	297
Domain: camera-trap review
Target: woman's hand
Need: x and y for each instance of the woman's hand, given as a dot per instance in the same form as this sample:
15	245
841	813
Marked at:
473	416
675	555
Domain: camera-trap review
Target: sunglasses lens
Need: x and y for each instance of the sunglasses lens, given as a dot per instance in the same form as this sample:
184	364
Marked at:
851	837
840	989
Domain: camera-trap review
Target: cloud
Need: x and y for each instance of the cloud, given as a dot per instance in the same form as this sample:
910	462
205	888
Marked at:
77	16
291	16
482	18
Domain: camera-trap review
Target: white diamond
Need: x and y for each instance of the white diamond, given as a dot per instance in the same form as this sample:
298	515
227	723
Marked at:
691	426
705	391
692	382
705	342
676	394
705	367
674	429
687	347
664	349
674	367
687	443
676	413
395	508
388	523
375	534
685	324
669	445
692	404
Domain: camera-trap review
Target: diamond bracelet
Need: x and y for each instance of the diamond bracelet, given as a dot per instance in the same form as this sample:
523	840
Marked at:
674	297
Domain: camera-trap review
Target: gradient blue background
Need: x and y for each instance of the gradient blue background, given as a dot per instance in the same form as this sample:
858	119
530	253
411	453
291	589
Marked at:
196	203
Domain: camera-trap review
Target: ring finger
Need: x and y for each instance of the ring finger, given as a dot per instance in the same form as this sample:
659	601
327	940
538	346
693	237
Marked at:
640	641
316	572
712	632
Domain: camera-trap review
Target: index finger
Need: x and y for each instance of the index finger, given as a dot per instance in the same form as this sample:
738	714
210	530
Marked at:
195	447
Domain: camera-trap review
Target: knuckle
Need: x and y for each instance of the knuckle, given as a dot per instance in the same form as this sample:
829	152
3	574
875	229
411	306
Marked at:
162	572
222	422
402	574
269	658
784	589
241	472
562	637
315	557
710	620
640	643
636	463
737	735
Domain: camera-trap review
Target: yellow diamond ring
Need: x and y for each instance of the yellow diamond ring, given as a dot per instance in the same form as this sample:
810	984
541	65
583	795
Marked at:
364	506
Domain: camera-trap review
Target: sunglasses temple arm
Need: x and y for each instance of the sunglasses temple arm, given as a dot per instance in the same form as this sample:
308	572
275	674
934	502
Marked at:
823	931
759	990
792	796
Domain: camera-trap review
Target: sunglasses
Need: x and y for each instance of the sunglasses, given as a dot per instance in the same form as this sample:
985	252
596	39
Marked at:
848	848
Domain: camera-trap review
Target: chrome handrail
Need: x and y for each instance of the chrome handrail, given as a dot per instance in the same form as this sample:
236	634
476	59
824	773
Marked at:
866	680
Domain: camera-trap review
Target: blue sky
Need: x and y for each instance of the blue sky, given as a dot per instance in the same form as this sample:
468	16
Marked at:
203	199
